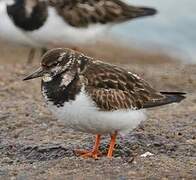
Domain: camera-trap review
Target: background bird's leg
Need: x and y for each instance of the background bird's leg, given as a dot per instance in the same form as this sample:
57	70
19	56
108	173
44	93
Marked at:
43	51
95	151
31	56
112	144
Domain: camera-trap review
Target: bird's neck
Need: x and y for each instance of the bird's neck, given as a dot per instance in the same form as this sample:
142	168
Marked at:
62	88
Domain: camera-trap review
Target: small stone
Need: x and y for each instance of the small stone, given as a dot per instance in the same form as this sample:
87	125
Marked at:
132	173
146	154
7	160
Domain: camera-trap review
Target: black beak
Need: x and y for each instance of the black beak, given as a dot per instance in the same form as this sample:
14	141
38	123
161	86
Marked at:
38	73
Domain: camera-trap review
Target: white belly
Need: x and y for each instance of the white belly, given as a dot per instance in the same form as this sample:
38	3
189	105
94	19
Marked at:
82	115
57	32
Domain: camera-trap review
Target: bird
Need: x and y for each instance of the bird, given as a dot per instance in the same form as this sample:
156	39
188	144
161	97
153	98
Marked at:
92	96
51	23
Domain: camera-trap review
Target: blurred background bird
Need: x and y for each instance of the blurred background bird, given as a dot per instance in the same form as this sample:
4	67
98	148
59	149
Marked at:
53	23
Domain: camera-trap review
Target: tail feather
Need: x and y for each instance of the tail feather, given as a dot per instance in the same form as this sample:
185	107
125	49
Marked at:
131	12
144	11
136	12
170	97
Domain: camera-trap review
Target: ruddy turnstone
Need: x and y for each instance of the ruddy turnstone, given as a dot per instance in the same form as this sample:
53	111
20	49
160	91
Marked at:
95	97
50	23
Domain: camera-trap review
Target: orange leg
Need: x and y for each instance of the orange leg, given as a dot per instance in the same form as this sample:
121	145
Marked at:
95	151
112	144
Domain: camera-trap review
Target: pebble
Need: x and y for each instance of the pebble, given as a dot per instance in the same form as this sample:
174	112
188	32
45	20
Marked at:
146	154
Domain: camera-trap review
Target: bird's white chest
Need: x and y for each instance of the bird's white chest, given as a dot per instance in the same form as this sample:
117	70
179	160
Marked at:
82	114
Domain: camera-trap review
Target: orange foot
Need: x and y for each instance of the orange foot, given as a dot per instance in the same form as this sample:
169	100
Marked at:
92	154
88	154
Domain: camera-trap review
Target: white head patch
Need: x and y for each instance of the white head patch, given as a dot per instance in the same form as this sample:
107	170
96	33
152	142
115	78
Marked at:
67	78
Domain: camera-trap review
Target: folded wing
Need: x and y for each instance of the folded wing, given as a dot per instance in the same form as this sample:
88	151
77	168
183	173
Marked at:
82	13
113	88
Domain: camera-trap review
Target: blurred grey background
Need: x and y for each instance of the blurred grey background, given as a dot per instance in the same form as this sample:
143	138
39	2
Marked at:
172	30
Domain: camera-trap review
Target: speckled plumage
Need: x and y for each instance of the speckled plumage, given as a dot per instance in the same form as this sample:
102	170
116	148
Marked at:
82	13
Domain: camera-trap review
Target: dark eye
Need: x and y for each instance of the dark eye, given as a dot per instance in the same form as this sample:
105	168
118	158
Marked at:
44	65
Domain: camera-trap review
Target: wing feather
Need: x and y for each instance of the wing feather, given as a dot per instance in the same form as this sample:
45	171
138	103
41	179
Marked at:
82	13
113	88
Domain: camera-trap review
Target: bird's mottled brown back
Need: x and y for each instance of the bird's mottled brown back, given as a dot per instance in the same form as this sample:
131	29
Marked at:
82	13
113	88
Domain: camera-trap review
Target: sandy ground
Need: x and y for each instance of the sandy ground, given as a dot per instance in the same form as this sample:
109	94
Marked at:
33	145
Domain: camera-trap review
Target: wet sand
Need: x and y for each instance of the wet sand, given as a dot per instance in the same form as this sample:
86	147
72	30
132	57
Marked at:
33	145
